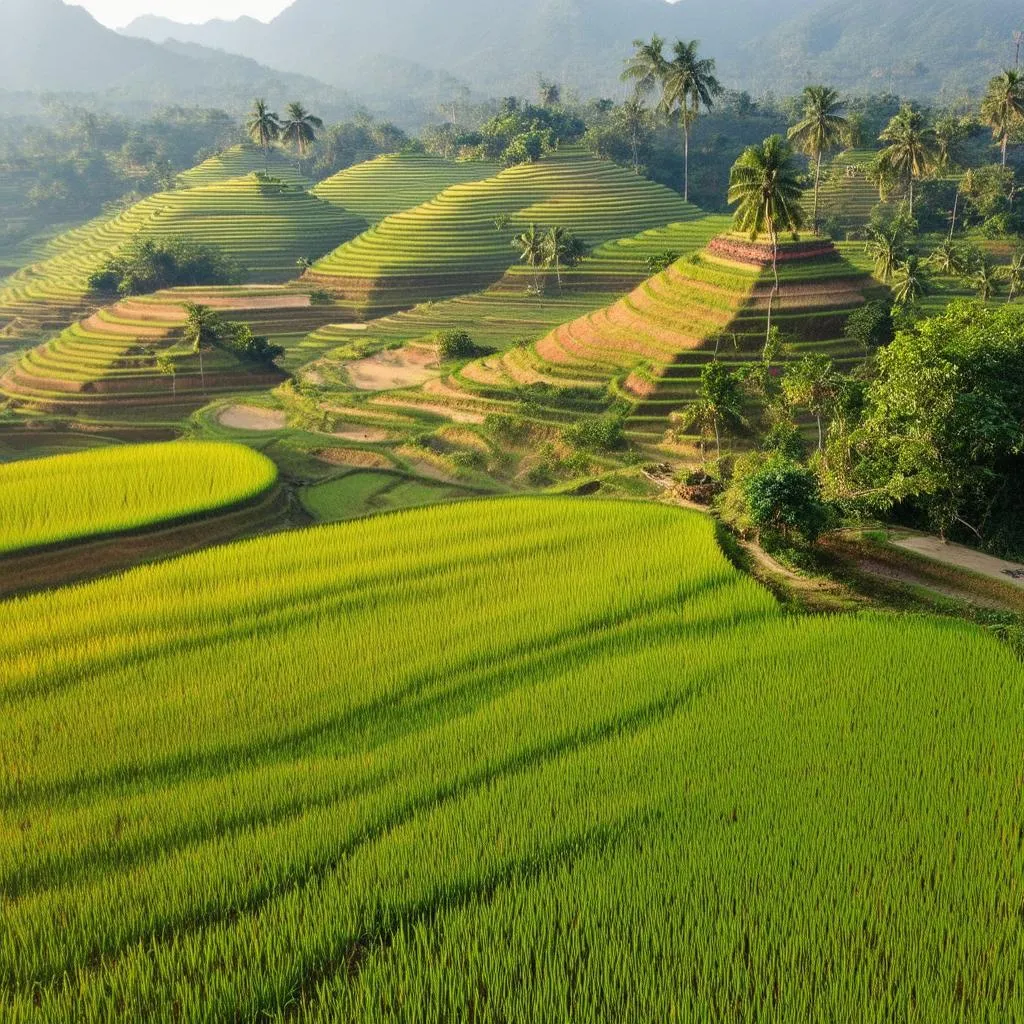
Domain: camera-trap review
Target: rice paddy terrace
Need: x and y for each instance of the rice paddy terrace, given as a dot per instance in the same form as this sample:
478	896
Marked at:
377	188
241	161
460	241
264	227
648	349
847	194
487	762
128	360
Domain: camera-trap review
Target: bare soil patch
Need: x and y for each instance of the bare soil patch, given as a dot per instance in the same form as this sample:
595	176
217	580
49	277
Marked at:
355	457
366	435
251	417
397	368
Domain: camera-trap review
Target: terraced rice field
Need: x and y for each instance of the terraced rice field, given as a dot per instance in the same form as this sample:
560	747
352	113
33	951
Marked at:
847	195
109	364
241	161
451	244
389	184
263	228
108	490
651	346
515	760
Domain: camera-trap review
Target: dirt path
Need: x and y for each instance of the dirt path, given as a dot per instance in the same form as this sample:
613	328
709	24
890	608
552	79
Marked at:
964	558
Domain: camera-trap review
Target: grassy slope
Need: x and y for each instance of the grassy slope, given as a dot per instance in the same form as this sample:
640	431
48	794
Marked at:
488	761
74	497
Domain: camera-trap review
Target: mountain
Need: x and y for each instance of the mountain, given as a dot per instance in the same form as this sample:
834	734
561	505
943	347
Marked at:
47	46
917	47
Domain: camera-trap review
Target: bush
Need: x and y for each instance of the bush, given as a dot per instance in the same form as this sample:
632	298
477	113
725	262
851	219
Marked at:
595	433
454	344
524	149
661	261
784	498
147	265
318	297
871	325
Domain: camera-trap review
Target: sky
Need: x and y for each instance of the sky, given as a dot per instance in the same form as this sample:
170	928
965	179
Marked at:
117	13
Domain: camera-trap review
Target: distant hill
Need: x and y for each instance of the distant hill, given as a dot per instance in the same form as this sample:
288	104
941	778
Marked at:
47	46
918	47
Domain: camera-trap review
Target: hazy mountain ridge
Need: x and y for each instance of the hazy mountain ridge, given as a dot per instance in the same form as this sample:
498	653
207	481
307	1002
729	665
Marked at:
919	47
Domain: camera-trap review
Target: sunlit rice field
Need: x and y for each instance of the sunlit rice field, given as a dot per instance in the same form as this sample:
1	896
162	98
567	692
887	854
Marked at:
71	497
527	759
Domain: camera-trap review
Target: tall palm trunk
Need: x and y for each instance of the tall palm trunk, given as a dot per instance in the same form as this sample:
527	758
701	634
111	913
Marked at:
1006	139
817	180
775	274
686	158
911	195
956	203
202	372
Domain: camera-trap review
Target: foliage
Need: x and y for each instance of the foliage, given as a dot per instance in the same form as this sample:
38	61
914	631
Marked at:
943	429
147	265
454	344
784	498
596	433
661	261
107	490
821	129
1002	107
766	191
299	128
909	153
870	325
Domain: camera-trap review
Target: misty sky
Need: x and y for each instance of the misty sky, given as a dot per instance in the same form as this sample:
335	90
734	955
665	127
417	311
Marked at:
116	13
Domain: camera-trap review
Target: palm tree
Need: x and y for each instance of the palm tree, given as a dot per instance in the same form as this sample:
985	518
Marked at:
635	117
910	150
1014	274
949	260
1003	107
202	331
646	67
562	249
985	280
688	83
910	282
821	129
765	186
887	249
550	94
530	246
814	384
300	128
264	129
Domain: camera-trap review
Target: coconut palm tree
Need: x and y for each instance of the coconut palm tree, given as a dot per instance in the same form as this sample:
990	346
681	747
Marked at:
765	187
821	129
202	331
910	282
688	83
985	280
949	260
1002	109
635	120
910	147
530	246
1014	274
887	248
646	67
300	127
264	129
562	249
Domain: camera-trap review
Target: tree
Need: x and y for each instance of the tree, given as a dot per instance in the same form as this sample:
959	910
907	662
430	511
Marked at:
299	128
688	84
943	425
784	497
985	280
530	246
910	148
870	325
887	245
812	383
949	259
561	248
950	134
202	332
765	187
550	94
821	129
453	344
719	402
635	120
1003	107
263	128
910	282
646	67
1014	274
166	365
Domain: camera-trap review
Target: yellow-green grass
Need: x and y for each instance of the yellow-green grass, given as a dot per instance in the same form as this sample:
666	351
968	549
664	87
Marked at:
514	760
389	184
846	194
241	161
263	228
109	490
451	244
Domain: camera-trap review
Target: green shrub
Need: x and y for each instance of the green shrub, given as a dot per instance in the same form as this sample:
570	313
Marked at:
147	265
784	498
595	433
454	344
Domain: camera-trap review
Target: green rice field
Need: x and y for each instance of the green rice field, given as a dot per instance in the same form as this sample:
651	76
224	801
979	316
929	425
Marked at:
106	490
517	760
367	491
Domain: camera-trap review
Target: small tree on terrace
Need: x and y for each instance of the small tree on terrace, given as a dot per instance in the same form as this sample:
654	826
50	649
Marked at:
166	365
299	128
202	332
784	497
562	249
910	151
821	129
264	129
813	384
719	403
766	190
